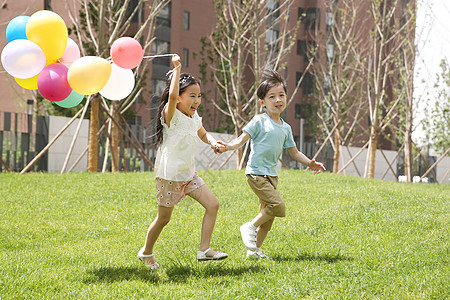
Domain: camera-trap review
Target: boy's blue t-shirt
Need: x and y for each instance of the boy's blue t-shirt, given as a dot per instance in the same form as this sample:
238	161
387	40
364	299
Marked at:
267	142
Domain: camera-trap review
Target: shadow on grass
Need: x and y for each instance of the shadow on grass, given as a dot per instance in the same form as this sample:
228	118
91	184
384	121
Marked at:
113	274
176	273
181	273
308	257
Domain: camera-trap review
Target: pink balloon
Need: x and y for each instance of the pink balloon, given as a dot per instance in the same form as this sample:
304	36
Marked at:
127	53
53	84
71	54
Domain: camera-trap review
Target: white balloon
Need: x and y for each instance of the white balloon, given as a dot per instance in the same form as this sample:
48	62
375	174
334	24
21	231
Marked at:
120	83
23	59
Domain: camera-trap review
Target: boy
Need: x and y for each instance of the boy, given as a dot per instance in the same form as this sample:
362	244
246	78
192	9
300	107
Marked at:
269	134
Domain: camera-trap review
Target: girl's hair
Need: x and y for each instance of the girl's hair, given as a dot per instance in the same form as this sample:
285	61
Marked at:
185	81
269	79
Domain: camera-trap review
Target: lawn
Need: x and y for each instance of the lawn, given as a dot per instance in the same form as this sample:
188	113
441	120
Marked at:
76	235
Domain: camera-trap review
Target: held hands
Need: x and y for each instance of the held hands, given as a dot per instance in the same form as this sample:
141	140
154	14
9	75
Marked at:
219	147
317	167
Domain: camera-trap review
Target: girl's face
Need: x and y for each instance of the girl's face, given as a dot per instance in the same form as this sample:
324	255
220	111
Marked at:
189	100
275	100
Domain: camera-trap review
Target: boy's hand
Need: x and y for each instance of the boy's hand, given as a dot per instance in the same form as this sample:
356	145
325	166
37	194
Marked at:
221	147
317	167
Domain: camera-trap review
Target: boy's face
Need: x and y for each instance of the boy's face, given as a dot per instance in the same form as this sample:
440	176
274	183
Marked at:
275	100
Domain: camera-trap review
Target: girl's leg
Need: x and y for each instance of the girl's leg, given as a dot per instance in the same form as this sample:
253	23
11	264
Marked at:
161	220
207	199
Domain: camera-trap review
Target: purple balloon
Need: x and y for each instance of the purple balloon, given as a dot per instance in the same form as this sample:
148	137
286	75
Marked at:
53	84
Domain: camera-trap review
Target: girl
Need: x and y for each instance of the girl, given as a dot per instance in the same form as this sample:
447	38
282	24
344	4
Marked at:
176	135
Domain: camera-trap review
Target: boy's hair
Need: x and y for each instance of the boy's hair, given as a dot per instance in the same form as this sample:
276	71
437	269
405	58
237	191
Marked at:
185	81
269	79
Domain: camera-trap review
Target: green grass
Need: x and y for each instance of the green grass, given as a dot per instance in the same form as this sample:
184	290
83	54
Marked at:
76	236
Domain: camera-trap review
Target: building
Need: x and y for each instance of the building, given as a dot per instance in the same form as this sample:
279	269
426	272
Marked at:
180	26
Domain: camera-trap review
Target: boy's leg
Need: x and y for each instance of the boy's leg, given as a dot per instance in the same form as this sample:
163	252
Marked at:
207	199
263	228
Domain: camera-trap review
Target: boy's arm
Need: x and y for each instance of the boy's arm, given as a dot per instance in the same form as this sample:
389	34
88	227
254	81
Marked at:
317	167
236	143
174	89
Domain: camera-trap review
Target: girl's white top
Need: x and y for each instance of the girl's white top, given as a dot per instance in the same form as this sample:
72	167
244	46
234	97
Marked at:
175	158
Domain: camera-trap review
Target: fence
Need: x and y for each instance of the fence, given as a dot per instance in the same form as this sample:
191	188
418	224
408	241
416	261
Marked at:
21	138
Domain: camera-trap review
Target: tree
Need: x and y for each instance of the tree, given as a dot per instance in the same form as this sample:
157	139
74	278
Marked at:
391	30
437	120
405	92
97	25
338	74
250	36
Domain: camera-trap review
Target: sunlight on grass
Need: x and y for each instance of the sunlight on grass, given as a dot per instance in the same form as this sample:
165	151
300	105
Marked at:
76	236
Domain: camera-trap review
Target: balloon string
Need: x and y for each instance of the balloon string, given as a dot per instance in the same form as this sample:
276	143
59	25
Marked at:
158	55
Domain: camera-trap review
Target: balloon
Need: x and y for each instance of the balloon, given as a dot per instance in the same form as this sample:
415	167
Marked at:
52	82
71	54
119	85
16	28
28	83
89	74
73	100
48	30
126	52
23	59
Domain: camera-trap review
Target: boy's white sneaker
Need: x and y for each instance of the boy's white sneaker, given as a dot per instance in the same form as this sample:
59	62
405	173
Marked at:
257	255
248	236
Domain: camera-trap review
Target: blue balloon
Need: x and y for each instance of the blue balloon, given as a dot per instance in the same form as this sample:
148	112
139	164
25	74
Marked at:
17	28
72	100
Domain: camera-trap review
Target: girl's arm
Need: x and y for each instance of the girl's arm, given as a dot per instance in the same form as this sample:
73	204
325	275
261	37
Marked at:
317	167
234	144
206	137
174	90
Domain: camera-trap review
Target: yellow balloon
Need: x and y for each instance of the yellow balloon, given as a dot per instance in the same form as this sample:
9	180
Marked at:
28	83
48	30
89	74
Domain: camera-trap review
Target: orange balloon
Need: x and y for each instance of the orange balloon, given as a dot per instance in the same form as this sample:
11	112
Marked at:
89	74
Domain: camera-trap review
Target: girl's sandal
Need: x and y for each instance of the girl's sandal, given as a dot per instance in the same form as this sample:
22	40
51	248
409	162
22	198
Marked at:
201	255
141	257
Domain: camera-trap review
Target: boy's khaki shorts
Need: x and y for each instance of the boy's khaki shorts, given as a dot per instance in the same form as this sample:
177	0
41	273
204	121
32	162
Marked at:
265	187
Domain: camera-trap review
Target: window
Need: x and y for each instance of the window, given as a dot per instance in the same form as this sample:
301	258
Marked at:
139	15
163	18
306	49
186	20
185	59
271	36
308	84
304	111
330	52
48	5
312	19
161	47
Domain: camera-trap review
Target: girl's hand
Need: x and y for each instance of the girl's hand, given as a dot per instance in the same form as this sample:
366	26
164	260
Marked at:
176	60
222	147
317	167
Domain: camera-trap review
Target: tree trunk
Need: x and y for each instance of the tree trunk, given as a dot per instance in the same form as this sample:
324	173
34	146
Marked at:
372	151
408	151
337	150
115	138
93	142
